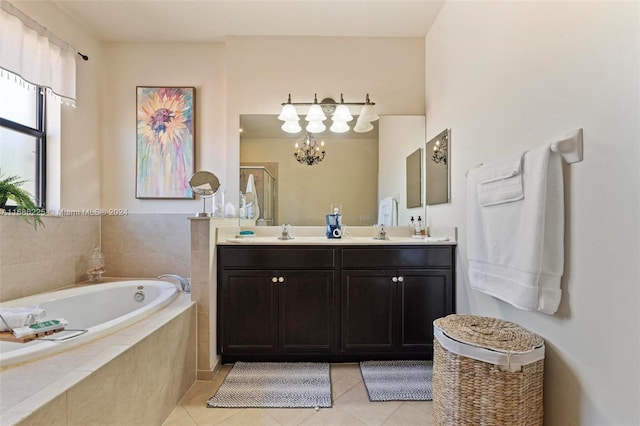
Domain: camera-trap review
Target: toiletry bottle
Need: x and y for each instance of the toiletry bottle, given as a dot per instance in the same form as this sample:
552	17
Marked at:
421	228
418	226
412	224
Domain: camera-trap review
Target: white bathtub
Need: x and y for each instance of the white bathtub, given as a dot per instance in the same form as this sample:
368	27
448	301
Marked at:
100	309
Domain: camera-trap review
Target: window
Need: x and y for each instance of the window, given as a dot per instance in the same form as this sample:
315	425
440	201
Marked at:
23	136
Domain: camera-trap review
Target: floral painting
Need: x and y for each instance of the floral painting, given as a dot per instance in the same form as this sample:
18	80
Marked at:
165	141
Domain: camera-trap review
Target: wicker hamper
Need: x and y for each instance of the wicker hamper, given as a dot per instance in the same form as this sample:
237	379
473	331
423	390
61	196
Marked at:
486	371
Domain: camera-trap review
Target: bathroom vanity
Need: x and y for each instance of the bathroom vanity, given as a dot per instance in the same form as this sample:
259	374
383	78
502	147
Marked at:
331	300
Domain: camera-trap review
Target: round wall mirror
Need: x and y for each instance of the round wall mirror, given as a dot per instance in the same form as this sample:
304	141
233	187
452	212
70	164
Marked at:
204	184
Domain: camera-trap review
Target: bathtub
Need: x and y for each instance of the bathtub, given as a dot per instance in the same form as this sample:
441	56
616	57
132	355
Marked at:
100	309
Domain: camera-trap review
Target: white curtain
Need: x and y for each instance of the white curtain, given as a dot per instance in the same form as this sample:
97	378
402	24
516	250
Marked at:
34	54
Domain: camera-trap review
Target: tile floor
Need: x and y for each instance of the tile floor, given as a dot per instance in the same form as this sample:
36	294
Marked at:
351	406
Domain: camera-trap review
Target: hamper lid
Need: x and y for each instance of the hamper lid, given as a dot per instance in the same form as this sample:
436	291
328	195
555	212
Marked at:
491	333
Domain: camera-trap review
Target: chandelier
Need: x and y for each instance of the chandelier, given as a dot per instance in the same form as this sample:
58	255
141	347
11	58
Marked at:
310	152
440	150
318	111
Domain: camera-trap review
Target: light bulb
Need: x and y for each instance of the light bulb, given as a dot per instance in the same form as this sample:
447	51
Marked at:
288	113
291	127
316	127
315	113
342	114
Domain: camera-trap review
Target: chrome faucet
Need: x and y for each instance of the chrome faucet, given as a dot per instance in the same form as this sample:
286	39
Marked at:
382	233
285	233
184	283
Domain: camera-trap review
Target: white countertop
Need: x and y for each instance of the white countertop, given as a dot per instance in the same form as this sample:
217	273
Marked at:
314	235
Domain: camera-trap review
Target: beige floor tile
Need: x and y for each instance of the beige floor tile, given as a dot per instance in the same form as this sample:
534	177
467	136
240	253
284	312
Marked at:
351	406
179	417
425	406
290	416
332	417
250	416
353	369
341	382
408	415
356	402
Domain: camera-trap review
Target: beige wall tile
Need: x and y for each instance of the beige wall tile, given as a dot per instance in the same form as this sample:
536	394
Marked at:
47	258
144	384
52	414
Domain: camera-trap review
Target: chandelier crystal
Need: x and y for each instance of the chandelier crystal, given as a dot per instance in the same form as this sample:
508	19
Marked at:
310	152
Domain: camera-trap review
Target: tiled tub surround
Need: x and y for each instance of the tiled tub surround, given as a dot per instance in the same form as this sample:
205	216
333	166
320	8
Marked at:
134	376
146	244
36	261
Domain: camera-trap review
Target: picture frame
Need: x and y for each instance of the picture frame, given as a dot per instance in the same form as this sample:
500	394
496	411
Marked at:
165	141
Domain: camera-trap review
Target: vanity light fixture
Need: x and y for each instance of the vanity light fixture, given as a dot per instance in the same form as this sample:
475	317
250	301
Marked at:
310	153
318	111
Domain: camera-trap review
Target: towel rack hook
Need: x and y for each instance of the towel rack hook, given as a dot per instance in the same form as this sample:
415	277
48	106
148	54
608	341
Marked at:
570	148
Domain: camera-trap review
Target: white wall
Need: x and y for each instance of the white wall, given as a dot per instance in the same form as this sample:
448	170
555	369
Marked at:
245	75
509	76
128	65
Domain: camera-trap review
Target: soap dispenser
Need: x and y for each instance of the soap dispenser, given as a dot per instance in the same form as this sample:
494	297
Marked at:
95	265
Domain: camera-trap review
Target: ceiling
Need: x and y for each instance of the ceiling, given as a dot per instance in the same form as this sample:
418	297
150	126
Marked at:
213	20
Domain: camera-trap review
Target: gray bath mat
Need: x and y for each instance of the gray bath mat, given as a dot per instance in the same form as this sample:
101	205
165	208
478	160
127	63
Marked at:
275	385
398	380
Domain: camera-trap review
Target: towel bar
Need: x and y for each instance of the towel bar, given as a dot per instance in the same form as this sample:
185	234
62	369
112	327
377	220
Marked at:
570	148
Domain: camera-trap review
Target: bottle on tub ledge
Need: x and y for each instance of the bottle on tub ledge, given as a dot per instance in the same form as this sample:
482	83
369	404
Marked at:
95	266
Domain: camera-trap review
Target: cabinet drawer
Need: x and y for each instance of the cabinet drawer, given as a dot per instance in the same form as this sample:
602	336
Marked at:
276	258
405	257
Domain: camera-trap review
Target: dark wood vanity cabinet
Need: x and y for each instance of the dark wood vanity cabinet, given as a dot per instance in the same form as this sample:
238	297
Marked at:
338	303
273	312
392	310
267	311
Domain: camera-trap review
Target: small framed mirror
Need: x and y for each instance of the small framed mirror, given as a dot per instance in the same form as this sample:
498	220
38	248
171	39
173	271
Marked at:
414	179
437	169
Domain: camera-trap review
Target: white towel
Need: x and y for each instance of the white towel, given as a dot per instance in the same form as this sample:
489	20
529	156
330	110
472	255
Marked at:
500	182
20	316
388	212
516	247
251	184
252	207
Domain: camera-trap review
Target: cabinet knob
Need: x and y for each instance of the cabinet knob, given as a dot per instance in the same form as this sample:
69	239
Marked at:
394	279
274	279
400	279
280	279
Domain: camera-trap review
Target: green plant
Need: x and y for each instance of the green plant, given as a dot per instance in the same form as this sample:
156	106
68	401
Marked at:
25	207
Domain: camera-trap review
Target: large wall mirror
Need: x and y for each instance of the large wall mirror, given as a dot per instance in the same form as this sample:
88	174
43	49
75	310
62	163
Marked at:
438	169
300	194
414	179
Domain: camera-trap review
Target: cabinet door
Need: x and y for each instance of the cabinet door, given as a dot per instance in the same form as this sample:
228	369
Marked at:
306	314
368	311
248	310
423	296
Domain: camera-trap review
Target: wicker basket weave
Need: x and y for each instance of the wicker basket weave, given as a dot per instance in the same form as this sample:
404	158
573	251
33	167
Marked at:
471	392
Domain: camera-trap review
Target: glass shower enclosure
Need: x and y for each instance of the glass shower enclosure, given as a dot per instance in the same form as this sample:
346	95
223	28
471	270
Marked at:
265	193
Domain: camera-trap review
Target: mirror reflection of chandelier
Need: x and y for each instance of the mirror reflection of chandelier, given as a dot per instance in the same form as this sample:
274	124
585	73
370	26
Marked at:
440	150
309	153
318	112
